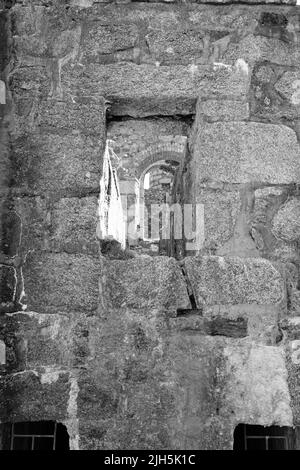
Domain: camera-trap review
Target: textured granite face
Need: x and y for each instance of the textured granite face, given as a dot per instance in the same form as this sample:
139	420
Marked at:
150	353
259	381
219	281
153	283
168	387
55	281
286	223
232	153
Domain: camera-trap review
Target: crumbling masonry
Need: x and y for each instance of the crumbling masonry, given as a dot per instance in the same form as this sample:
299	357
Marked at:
138	351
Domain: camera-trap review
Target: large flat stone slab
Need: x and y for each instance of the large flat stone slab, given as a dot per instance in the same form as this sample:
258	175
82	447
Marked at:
217	280
154	283
57	163
142	90
257	390
60	282
245	152
36	340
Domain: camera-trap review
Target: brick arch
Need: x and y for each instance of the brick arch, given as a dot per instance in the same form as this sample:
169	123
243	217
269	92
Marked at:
172	148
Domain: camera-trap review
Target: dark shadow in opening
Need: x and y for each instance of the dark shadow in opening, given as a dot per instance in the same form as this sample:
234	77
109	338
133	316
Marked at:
256	437
35	435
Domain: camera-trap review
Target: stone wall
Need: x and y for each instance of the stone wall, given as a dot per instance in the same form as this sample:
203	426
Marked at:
150	353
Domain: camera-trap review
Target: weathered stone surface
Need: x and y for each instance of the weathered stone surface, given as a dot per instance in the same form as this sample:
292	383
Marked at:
217	326
225	110
155	283
83	115
30	80
33	218
294	306
288	86
241	243
99	39
221	209
89	3
275	93
61	282
10	229
145	375
42	34
286	223
232	152
257	388
262	320
7	285
33	396
142	90
270	211
127	385
199	381
73	225
291	328
253	49
66	225
34	340
216	280
35	107
175	46
142	383
52	163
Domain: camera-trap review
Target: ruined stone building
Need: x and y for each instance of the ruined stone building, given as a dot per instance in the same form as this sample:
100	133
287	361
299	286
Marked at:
116	116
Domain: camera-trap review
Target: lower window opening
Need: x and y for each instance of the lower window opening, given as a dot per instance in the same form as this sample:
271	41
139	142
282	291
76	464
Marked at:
35	435
255	437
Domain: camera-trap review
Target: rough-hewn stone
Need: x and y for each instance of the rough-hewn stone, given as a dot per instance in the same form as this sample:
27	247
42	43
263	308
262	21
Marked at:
226	110
256	48
32	219
35	341
33	396
266	218
99	39
147	353
217	280
175	46
73	225
78	115
286	223
220	214
258	392
55	282
7	284
10	233
155	283
52	163
217	326
262	320
291	327
142	90
275	93
232	152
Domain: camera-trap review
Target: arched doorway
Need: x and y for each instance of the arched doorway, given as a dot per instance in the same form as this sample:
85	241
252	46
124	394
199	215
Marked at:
156	185
148	183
